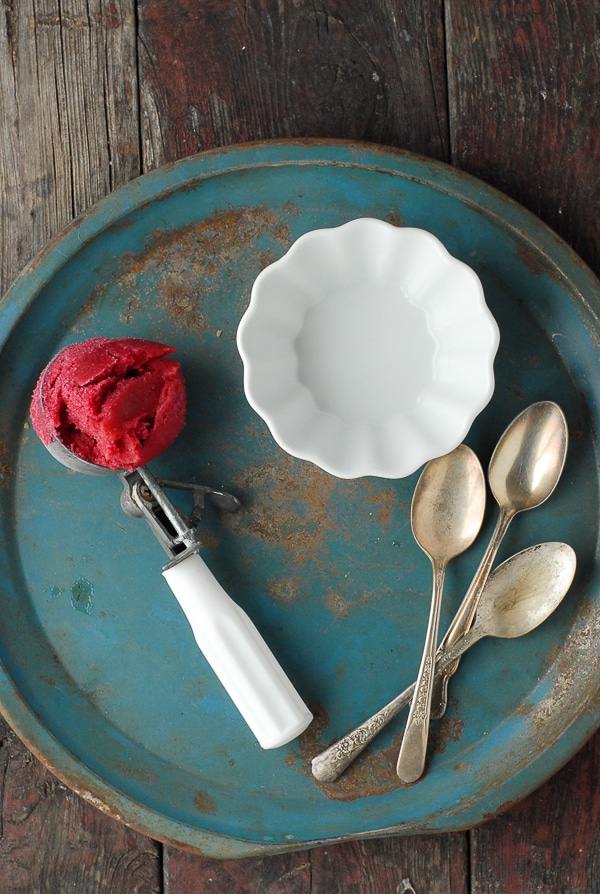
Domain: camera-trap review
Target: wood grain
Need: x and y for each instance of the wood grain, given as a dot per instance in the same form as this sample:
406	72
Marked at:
69	133
53	841
524	86
93	92
548	843
69	120
228	71
436	864
282	874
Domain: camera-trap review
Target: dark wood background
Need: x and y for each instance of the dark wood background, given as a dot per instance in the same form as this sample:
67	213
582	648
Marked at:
96	92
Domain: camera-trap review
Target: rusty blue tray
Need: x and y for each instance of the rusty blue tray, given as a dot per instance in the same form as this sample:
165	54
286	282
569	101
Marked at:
100	675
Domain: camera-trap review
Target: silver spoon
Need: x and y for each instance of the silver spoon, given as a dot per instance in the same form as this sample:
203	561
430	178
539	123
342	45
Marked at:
446	515
524	470
519	595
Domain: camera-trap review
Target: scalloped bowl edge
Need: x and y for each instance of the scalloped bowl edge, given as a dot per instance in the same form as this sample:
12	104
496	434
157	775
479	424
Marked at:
438	421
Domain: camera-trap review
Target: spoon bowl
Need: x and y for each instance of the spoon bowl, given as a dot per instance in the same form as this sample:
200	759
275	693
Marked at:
529	458
520	596
448	505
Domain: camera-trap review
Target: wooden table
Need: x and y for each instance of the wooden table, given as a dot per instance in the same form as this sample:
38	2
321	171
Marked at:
96	92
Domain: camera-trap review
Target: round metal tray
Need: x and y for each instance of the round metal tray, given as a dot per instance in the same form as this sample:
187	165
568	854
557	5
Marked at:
100	674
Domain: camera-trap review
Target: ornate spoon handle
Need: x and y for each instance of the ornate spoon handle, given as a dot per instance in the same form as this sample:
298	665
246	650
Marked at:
413	750
331	763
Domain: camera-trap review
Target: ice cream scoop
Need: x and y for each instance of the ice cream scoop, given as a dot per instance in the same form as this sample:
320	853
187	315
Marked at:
67	411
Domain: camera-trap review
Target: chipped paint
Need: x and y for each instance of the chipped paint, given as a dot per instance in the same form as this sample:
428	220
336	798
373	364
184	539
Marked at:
188	261
532	260
204	802
336	604
571	663
285	590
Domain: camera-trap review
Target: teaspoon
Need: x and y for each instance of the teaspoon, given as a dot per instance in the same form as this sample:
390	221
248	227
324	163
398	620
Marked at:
446	515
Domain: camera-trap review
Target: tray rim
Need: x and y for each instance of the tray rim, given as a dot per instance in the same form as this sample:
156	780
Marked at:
150	187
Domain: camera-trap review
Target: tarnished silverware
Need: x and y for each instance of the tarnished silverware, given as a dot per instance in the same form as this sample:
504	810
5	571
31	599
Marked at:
524	470
520	594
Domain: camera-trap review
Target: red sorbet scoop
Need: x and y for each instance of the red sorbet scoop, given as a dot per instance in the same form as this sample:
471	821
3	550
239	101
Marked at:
115	402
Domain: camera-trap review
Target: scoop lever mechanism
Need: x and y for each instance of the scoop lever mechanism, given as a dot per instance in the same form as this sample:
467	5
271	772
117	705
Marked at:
143	496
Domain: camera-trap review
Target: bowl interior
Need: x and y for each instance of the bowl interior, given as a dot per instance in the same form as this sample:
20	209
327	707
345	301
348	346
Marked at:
365	351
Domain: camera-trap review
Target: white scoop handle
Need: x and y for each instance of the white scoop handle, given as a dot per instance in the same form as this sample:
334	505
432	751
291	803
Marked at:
238	655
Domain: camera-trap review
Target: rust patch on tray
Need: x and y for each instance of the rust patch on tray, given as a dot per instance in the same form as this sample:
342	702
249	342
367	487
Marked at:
188	263
6	468
286	503
448	730
204	802
372	773
531	260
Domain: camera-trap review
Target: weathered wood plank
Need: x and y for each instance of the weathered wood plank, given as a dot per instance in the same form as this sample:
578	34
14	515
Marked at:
436	864
53	841
185	873
549	842
69	123
216	72
69	133
524	86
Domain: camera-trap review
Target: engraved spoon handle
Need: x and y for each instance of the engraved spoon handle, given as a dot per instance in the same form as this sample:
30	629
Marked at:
331	763
413	750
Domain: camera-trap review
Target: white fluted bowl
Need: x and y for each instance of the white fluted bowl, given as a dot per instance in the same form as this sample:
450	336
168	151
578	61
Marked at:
368	349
